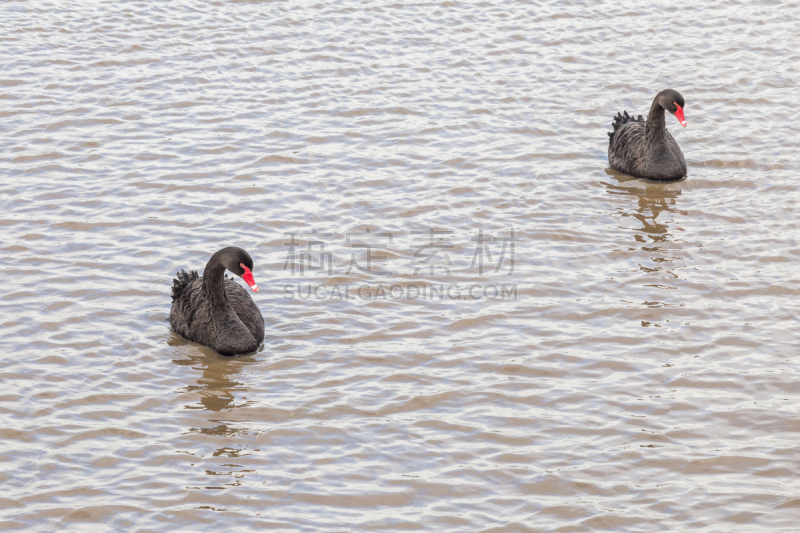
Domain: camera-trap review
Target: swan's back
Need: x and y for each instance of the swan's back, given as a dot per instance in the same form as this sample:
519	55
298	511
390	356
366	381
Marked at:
627	149
184	303
190	315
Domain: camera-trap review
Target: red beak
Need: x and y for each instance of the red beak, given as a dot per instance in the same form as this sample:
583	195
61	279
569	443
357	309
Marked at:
679	115
248	278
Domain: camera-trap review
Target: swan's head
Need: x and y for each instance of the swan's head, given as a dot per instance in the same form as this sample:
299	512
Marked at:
672	101
240	263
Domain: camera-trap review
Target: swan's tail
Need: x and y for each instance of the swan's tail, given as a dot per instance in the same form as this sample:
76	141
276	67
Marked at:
181	282
619	121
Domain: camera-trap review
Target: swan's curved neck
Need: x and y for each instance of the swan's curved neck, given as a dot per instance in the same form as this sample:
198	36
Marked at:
214	282
655	127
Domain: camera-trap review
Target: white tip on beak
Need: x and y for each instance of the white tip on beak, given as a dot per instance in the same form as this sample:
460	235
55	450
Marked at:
254	287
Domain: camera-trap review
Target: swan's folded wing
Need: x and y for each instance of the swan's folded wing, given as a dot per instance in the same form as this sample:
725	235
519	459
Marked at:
188	316
627	150
246	309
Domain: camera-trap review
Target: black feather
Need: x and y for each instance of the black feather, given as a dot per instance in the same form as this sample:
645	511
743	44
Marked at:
183	280
619	121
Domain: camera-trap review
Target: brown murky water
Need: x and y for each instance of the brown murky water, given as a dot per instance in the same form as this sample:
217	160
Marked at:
631	366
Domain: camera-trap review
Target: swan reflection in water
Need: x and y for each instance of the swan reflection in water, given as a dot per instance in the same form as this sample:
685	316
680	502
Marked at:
657	231
216	387
655	211
220	394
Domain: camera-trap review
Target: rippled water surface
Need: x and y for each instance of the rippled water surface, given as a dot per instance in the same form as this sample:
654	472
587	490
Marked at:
643	376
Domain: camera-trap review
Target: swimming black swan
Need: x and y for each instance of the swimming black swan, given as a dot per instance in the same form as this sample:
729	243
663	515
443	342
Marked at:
646	149
216	311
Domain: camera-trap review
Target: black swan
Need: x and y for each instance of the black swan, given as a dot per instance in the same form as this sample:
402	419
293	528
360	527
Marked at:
646	149
216	311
